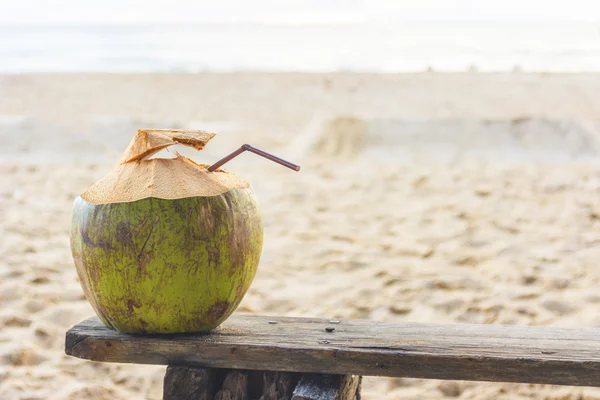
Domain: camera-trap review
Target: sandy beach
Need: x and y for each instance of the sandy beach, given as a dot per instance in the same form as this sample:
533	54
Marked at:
459	198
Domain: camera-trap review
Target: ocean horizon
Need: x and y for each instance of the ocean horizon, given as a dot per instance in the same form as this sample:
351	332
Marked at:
299	44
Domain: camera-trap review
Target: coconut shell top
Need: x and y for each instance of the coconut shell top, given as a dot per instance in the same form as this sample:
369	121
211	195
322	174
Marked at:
138	176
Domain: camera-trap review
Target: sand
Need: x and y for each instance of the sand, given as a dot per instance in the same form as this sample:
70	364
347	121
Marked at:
461	198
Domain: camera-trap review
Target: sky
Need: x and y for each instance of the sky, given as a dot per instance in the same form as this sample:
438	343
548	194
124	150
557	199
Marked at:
510	10
86	11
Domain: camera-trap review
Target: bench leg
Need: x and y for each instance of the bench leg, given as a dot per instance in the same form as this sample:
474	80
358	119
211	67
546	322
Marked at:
189	383
328	387
185	383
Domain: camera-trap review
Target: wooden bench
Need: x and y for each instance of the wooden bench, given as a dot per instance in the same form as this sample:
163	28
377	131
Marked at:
257	357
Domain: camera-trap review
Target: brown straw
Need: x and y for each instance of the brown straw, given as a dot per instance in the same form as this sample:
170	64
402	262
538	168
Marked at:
254	150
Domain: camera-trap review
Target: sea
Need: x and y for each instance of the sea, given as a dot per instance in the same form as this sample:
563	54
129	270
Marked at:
313	46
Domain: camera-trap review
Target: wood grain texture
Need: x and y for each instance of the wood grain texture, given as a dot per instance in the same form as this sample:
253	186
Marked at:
235	386
456	352
278	385
183	383
326	387
350	387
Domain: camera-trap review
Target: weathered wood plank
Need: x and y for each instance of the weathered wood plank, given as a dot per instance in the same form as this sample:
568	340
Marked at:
435	351
327	387
183	383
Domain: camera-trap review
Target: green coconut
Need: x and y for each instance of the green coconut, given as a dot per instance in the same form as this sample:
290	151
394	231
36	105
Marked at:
164	245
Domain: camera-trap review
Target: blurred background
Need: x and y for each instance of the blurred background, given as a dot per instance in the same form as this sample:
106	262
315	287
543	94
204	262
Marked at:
449	154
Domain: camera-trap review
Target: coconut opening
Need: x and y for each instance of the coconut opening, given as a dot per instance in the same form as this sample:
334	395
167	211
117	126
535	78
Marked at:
139	175
168	153
148	142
